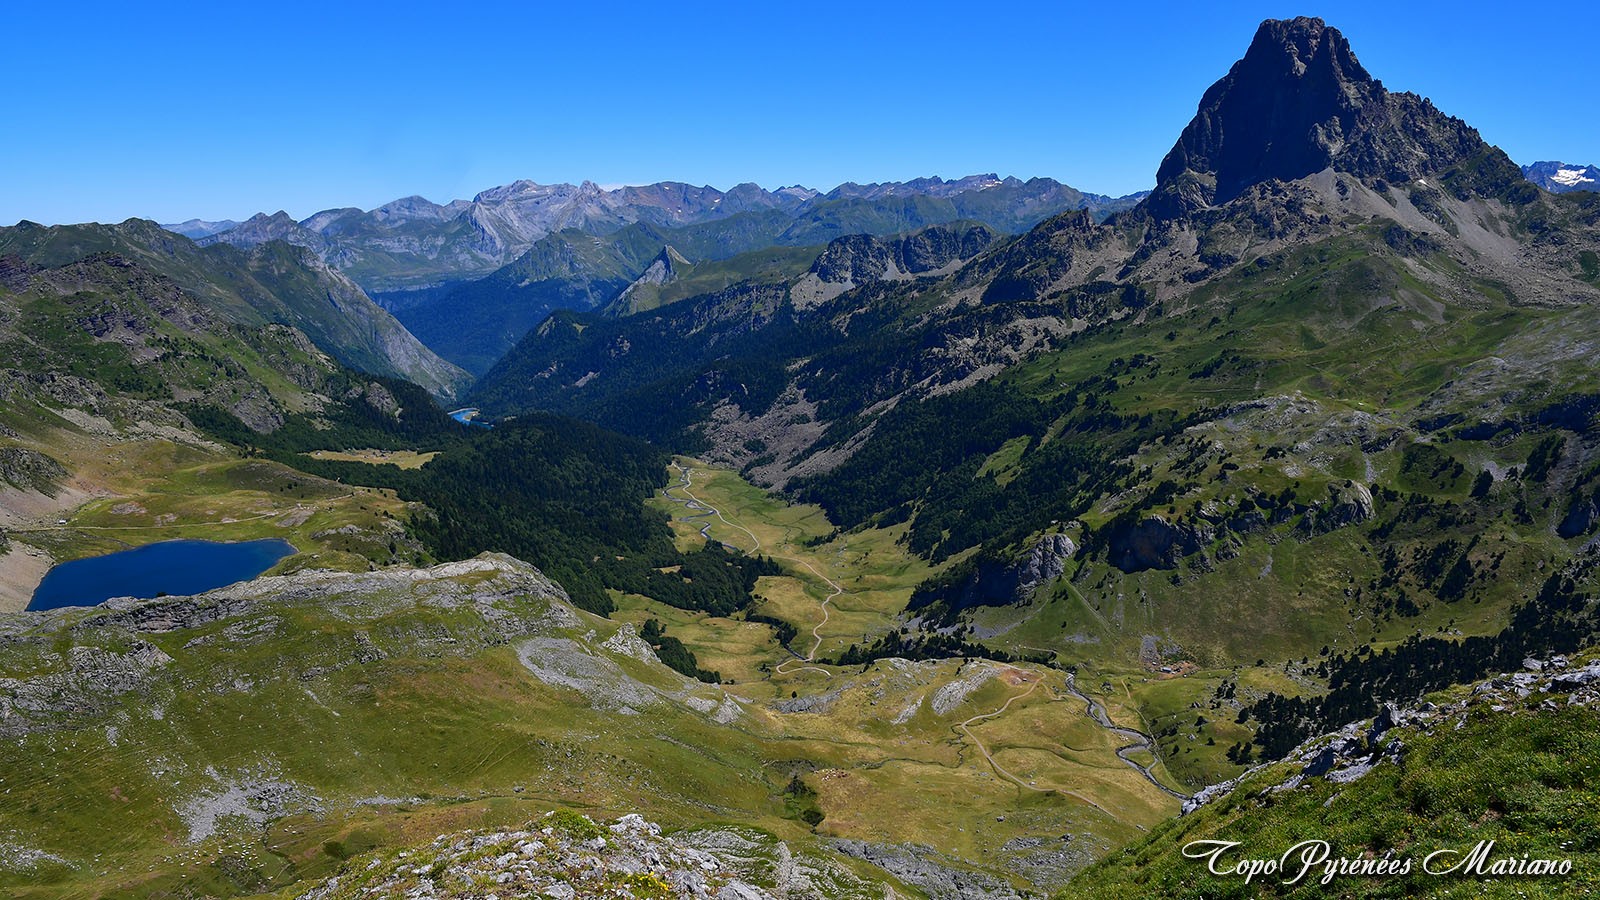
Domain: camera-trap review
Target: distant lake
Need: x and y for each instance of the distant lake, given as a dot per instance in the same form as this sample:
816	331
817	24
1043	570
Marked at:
466	416
170	567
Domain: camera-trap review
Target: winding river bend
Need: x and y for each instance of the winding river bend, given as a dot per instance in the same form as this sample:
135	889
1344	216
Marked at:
1138	739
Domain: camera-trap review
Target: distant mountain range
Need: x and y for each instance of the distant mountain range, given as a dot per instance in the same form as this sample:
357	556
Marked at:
1560	177
471	277
413	242
199	228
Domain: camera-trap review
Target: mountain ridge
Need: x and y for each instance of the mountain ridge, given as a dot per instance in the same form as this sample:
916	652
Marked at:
414	242
271	283
954	404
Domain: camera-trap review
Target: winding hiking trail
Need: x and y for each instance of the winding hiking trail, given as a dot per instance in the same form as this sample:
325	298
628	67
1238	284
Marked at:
1098	715
999	770
706	511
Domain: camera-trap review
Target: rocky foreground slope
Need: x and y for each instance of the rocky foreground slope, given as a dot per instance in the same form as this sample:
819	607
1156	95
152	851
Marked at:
277	733
1508	760
564	855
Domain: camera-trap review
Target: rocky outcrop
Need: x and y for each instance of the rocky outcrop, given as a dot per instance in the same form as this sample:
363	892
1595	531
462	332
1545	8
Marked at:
666	268
381	400
30	470
85	681
952	695
860	258
1349	503
1046	562
1582	513
565	855
1154	543
492	600
1002	582
1353	751
922	867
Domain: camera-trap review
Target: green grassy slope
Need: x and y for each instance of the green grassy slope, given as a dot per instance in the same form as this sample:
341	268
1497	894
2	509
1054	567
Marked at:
1518	772
272	284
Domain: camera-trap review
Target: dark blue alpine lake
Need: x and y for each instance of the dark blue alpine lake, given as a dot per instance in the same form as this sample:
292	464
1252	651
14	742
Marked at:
170	567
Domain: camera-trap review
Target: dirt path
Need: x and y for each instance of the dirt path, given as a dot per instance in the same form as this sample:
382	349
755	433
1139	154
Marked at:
1000	770
699	509
985	750
706	511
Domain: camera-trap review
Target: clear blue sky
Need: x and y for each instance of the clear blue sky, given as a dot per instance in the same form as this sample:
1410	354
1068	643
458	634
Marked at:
219	110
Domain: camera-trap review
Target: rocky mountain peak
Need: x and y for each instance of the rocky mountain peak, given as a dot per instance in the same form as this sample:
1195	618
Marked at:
1304	42
1299	102
671	258
1283	111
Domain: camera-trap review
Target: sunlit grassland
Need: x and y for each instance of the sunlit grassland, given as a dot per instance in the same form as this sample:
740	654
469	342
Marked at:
236	500
874	569
405	459
741	651
139	491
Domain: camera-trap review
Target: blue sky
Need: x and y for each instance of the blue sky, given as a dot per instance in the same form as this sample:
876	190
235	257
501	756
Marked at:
179	110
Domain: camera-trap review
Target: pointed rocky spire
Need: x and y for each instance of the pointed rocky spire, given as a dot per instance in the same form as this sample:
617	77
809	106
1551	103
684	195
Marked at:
1299	102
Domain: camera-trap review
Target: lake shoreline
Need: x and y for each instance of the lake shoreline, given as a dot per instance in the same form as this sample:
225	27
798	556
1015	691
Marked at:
22	568
180	567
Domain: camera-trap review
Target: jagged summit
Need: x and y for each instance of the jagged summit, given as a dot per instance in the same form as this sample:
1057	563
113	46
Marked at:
1299	102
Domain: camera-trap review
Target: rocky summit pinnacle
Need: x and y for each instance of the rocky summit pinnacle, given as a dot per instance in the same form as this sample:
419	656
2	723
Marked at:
1297	103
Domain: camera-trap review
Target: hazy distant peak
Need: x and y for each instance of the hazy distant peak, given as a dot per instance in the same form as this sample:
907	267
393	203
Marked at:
1560	177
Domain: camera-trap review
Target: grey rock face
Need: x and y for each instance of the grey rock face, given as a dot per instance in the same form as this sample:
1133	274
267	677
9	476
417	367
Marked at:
1349	503
1045	563
1154	543
1349	754
920	866
88	680
1001	583
860	258
1582	513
